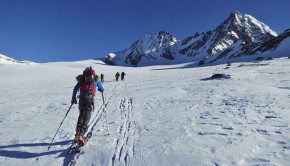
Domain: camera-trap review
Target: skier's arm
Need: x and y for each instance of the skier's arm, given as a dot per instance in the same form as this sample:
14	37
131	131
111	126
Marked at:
100	86
77	86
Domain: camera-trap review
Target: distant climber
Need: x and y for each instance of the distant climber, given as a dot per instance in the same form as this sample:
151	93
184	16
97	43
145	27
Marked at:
122	76
117	76
102	77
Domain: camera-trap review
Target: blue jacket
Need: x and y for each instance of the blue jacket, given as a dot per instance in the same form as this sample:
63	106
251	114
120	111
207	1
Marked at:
96	84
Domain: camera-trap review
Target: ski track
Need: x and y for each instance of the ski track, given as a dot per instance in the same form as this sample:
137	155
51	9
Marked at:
124	144
92	124
115	92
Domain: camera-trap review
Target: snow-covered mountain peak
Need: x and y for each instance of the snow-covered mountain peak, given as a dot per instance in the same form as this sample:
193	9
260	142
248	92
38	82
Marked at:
7	60
151	46
239	30
158	40
248	24
238	35
235	16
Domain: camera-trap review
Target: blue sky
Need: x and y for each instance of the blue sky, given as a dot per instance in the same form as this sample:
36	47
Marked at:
69	30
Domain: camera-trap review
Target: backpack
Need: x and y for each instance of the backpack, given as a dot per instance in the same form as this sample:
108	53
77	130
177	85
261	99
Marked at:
87	88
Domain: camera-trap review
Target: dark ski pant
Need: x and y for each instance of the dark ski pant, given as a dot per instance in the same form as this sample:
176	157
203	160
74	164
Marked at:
83	121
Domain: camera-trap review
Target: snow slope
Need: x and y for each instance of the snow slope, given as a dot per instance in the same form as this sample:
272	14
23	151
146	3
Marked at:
160	115
4	60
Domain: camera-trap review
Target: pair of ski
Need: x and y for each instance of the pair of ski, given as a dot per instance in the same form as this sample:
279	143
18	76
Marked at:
77	150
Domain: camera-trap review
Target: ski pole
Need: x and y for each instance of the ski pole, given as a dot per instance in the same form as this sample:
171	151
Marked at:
103	99
105	114
60	125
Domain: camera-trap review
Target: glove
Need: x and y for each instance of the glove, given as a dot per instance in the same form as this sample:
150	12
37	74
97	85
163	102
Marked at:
74	101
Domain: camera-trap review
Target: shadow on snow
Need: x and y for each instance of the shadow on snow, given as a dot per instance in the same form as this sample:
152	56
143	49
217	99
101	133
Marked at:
26	155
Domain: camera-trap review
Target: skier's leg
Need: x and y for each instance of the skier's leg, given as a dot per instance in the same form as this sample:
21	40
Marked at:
80	122
84	125
86	120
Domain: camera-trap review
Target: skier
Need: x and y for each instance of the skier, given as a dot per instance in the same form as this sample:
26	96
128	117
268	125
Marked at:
87	83
117	76
102	77
122	76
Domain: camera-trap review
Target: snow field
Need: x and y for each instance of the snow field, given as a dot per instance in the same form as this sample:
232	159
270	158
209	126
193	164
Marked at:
160	115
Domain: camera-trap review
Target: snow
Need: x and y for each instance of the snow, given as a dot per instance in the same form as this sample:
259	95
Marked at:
4	60
234	35
261	25
160	115
283	50
112	55
247	20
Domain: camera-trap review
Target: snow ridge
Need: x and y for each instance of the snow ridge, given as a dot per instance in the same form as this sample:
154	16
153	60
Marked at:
151	47
7	60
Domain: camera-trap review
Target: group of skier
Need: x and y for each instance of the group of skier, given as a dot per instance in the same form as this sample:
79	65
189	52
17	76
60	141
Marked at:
118	75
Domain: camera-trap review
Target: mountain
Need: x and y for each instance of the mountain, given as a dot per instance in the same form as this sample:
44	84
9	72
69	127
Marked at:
151	48
238	36
6	60
273	44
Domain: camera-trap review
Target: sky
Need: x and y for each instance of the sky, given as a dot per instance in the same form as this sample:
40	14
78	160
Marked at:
71	30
